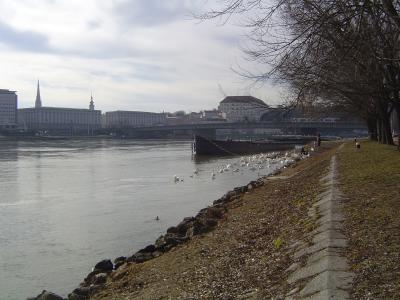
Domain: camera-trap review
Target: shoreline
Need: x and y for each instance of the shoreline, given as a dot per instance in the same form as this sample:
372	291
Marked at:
203	222
213	266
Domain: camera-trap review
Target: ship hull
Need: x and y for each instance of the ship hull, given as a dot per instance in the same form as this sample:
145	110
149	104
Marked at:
204	146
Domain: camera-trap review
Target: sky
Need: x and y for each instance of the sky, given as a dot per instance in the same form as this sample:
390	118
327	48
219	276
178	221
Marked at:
146	55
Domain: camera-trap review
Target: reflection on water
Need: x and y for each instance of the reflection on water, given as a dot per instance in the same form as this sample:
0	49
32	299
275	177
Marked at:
6	150
66	204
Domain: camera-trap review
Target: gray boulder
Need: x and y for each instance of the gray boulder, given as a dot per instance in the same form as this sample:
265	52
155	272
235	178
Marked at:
140	257
82	291
148	249
104	266
100	278
203	225
45	295
74	296
119	261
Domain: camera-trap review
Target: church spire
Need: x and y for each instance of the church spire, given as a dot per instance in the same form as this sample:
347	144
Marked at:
91	105
38	102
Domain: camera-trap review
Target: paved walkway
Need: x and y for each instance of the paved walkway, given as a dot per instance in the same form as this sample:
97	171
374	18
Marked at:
326	273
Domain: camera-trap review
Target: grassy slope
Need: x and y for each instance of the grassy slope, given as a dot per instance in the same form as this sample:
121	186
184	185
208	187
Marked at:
241	256
370	179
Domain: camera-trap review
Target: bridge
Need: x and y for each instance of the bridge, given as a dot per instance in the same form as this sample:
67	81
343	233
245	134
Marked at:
210	129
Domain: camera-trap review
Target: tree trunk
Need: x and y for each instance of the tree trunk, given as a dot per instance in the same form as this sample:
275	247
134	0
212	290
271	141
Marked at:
372	128
397	126
379	130
387	131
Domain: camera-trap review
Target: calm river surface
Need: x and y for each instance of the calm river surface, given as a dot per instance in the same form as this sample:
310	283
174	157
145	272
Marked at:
65	205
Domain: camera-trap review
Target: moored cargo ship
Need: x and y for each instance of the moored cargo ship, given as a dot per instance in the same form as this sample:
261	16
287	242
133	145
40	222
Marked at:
205	146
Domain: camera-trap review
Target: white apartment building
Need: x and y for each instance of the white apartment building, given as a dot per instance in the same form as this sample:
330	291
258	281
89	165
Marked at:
58	119
8	109
242	108
124	119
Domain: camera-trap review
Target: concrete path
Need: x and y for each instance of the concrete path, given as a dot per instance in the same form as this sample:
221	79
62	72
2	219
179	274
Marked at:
326	273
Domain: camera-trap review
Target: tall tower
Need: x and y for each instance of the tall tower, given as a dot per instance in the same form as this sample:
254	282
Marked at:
38	102
91	105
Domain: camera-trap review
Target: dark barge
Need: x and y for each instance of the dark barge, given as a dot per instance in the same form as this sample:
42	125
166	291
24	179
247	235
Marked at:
204	146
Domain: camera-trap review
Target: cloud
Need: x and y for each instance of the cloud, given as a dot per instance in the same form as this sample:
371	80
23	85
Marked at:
149	12
152	72
35	42
23	40
94	24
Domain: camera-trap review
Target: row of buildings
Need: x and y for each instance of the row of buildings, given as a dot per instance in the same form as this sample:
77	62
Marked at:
58	119
86	121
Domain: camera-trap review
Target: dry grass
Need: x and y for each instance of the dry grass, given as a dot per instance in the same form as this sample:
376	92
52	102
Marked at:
370	178
245	257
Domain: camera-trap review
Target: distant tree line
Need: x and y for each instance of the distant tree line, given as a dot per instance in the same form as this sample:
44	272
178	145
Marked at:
335	53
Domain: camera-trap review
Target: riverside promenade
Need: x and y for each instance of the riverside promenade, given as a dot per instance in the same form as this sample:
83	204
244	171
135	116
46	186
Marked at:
325	228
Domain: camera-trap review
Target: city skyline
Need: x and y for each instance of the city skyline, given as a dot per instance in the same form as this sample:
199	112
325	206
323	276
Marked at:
133	55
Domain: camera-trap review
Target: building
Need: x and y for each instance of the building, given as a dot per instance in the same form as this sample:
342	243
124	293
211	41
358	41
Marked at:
195	117
59	120
126	119
212	115
242	108
8	109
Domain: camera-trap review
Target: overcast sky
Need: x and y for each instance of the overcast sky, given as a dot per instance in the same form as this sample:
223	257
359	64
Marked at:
132	54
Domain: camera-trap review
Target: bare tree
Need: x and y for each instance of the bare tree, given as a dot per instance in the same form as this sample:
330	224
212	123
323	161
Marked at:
335	52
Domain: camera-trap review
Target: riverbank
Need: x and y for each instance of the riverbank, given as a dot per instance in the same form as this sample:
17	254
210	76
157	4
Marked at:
248	253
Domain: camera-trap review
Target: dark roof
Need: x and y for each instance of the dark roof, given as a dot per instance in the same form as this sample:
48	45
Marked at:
243	99
4	91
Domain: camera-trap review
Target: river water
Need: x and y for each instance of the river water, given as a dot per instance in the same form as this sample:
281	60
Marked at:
65	205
